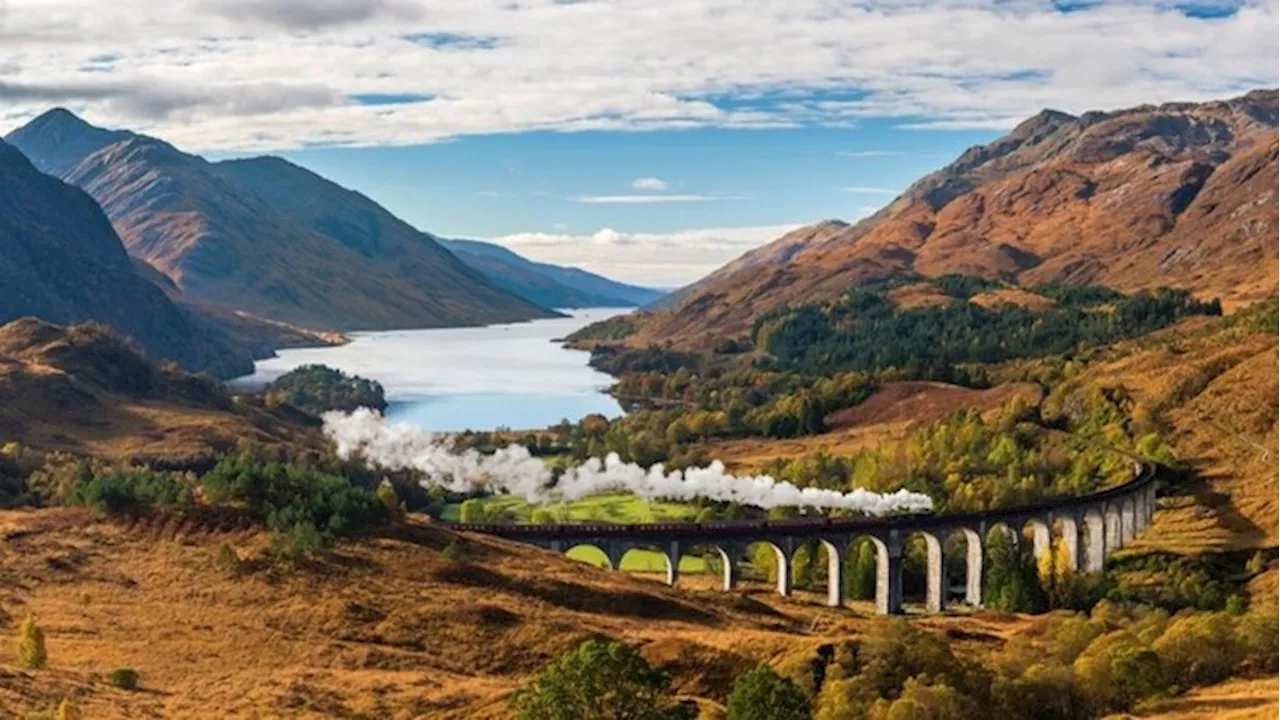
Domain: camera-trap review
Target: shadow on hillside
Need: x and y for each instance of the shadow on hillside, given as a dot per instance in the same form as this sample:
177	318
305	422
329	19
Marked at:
1199	486
576	597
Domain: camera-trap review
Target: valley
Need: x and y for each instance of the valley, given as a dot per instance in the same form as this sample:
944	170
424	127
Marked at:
312	535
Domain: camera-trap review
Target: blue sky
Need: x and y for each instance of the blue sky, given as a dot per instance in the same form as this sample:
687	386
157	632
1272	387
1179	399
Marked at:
548	182
650	141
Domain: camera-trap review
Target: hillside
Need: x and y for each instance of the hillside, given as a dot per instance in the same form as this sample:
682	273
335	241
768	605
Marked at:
385	627
86	391
1212	392
60	260
546	284
388	243
221	243
1180	195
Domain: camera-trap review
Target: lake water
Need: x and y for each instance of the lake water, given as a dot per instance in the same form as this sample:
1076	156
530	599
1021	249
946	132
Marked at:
469	378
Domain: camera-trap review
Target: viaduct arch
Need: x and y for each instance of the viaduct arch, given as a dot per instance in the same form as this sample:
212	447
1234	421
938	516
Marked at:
1090	527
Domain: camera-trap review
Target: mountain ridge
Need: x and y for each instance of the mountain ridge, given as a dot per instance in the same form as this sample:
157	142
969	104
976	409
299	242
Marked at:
204	230
1180	194
61	260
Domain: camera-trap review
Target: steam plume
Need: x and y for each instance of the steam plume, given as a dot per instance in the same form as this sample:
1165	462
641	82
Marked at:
514	470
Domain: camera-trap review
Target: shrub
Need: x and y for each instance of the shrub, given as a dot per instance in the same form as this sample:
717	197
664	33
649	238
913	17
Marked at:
227	558
1117	670
599	681
125	678
129	489
1200	649
762	694
894	651
30	645
67	710
387	496
1046	691
305	508
923	699
452	551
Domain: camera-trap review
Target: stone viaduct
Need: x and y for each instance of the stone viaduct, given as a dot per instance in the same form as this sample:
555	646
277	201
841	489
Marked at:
1089	528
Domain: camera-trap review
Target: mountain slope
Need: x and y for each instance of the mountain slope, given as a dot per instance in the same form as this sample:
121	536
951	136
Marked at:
546	284
222	243
370	230
61	261
1181	195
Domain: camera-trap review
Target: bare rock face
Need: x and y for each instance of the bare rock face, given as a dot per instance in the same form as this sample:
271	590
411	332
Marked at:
61	261
1181	195
265	236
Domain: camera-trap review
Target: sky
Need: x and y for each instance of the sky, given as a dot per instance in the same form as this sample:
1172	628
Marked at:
651	141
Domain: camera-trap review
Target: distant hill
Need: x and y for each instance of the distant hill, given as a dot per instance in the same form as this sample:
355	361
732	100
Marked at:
546	284
61	261
1180	195
265	236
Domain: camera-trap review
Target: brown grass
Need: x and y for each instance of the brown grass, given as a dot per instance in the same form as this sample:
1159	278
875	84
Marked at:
386	628
1012	296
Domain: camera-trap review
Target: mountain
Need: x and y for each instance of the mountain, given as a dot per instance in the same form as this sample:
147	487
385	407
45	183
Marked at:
546	284
333	260
1182	194
61	261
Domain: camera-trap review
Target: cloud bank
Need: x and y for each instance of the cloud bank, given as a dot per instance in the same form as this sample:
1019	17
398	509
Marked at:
662	259
275	74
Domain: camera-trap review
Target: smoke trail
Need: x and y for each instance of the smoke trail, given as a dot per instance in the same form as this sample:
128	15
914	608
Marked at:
514	470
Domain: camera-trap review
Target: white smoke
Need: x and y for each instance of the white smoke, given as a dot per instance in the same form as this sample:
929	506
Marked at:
515	471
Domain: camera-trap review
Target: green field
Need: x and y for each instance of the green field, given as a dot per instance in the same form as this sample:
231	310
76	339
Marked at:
611	508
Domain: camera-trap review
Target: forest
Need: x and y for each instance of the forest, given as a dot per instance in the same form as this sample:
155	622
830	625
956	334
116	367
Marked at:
864	330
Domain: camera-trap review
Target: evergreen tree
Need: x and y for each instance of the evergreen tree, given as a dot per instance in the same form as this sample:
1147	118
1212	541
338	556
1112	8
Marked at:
762	694
599	681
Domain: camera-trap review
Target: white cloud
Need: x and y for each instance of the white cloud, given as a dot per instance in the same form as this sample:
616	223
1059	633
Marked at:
867	190
649	183
868	153
660	259
273	74
648	199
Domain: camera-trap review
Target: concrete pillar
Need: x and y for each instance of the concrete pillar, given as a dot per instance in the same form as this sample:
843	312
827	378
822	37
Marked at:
1127	523
1073	540
835	572
889	574
673	562
784	569
729	573
1111	521
1095	526
935	593
1041	536
974	570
